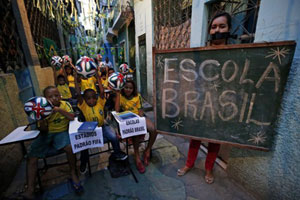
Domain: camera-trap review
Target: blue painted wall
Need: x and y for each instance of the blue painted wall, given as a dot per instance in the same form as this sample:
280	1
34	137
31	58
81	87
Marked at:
276	174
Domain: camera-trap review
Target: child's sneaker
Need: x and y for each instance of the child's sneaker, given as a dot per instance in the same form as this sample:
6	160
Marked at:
83	168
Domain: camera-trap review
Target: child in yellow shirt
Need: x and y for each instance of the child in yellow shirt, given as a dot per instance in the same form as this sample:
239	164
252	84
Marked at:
68	73
92	108
54	134
129	100
63	88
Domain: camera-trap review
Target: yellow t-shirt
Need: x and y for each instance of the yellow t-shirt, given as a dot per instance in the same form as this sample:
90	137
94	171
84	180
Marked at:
88	84
57	122
104	83
71	81
132	105
95	113
64	91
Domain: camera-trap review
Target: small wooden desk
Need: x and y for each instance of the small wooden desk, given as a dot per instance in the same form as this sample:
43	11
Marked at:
20	135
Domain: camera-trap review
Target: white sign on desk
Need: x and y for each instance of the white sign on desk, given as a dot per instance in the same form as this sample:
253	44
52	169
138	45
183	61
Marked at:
82	141
130	124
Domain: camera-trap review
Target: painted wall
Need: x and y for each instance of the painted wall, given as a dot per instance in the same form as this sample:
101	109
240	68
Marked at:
44	77
199	23
276	174
144	24
12	116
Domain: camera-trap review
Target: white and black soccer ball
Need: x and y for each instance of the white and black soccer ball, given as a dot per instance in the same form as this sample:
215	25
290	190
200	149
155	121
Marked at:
67	59
116	81
86	67
56	61
124	68
38	108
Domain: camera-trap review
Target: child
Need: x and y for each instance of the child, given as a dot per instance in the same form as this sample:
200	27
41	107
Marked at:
110	71
130	100
68	73
104	80
93	110
54	134
63	88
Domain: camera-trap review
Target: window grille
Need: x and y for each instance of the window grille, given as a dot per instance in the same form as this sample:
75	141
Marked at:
172	23
11	53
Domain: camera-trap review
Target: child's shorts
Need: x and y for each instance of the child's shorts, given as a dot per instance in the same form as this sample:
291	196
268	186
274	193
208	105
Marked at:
47	142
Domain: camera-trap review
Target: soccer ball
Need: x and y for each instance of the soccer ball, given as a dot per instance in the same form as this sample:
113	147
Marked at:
86	67
116	80
38	108
56	61
124	68
66	59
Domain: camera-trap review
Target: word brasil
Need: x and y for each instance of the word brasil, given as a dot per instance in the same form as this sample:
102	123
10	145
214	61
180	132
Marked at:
228	73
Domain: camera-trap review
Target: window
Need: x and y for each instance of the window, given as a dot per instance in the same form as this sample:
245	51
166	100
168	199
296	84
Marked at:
244	17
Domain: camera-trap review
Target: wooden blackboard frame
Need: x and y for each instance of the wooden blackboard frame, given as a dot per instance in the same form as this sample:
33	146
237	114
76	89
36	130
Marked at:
221	47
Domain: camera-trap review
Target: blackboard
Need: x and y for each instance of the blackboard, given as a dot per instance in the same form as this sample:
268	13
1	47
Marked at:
226	94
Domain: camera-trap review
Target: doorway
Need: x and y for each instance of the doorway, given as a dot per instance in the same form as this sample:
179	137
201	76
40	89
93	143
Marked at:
143	65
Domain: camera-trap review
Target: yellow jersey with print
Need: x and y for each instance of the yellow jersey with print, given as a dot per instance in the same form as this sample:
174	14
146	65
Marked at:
88	84
64	91
95	113
57	122
133	105
104	82
71	81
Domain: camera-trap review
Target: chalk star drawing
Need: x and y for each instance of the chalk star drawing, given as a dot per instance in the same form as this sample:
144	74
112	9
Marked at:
160	62
215	85
258	138
176	124
278	53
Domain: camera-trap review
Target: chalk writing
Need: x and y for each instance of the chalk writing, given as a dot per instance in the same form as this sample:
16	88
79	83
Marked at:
221	94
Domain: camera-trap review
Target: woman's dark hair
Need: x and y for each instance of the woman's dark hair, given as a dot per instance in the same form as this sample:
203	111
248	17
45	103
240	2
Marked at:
220	14
134	92
48	88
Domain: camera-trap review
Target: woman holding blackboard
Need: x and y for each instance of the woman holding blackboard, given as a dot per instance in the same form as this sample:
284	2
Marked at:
219	32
